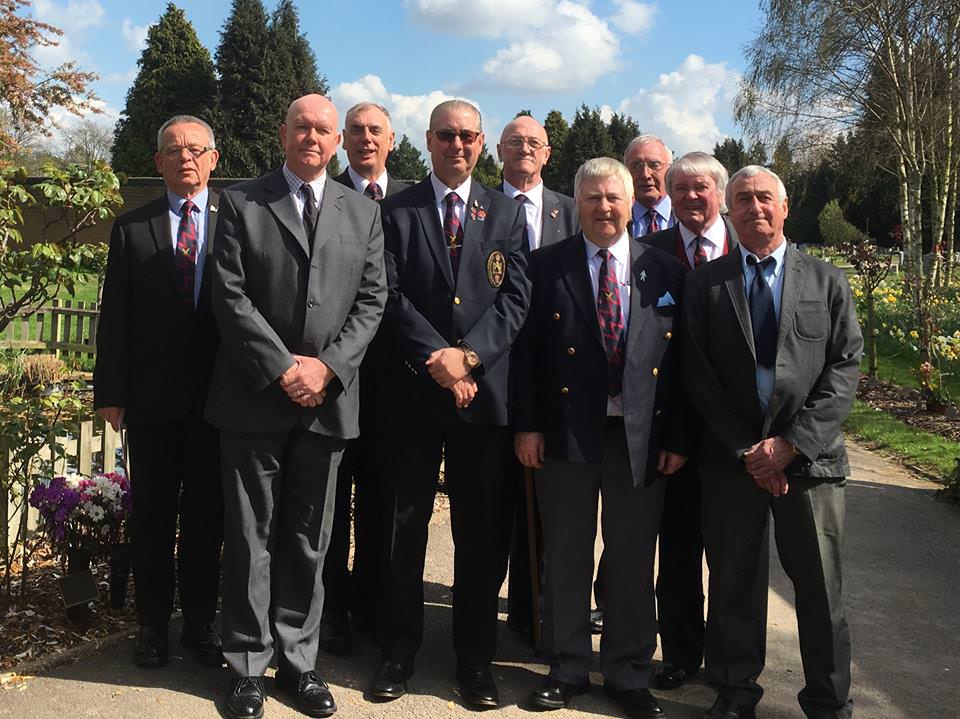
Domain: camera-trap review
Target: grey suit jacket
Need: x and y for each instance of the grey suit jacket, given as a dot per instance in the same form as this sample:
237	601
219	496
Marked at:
277	292
817	367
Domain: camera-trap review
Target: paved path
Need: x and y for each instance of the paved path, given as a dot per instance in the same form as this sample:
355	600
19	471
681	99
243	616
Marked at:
903	597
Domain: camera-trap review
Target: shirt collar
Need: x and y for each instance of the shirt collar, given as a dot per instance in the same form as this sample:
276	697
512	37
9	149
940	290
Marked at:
440	190
715	233
778	255
361	182
534	195
662	208
176	202
619	249
295	182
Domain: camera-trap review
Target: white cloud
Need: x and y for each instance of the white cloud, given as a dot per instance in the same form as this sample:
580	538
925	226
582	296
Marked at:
634	17
74	19
685	107
123	78
134	35
553	45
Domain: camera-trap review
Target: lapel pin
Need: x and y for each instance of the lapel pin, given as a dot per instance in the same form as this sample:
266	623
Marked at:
643	275
555	212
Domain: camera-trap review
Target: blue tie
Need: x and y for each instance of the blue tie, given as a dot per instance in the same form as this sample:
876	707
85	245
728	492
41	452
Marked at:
763	317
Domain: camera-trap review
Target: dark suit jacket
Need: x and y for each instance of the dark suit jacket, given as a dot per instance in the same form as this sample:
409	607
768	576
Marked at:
393	186
559	216
561	366
427	310
817	368
671	241
279	293
154	354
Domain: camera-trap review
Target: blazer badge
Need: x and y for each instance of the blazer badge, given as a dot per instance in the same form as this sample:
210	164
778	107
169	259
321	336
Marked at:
496	268
555	212
477	213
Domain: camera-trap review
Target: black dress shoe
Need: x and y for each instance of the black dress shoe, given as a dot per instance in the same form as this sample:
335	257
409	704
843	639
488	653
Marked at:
726	708
555	694
638	703
596	621
151	646
205	643
310	693
390	681
335	637
477	687
672	676
245	700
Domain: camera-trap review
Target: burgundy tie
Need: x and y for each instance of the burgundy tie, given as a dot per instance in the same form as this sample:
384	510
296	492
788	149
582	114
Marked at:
610	315
373	191
699	253
453	231
185	258
654	225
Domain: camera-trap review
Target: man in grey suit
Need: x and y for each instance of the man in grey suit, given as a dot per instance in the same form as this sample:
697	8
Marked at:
551	216
771	361
299	295
596	372
351	596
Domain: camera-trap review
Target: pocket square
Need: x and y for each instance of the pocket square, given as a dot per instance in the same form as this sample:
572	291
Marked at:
666	300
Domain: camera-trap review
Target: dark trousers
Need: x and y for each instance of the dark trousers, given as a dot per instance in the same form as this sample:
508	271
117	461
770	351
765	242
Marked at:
808	528
355	591
278	510
680	570
175	473
567	493
515	548
476	461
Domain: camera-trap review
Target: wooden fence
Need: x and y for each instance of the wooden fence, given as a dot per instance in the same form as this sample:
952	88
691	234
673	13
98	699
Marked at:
66	328
92	449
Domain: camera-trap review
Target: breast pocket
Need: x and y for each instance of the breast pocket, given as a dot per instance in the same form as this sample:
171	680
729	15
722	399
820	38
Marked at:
812	320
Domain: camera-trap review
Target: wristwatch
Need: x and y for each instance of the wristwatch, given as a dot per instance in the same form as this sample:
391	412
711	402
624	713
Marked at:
471	358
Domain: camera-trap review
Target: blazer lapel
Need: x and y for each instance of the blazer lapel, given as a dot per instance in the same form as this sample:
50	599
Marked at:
573	266
548	217
328	218
640	294
474	214
281	203
160	229
433	230
793	270
733	281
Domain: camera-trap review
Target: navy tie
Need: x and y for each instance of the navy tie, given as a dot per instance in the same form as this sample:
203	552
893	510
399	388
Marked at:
763	317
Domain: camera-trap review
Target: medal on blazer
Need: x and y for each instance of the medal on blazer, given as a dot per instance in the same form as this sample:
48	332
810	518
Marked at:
496	268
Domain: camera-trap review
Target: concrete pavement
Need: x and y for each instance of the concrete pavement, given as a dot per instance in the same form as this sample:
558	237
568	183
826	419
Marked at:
902	586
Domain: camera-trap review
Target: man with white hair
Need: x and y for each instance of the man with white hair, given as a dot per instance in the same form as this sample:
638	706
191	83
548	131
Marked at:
771	357
596	367
695	184
648	159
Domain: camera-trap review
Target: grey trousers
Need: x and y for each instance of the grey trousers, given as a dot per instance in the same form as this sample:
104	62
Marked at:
278	492
567	493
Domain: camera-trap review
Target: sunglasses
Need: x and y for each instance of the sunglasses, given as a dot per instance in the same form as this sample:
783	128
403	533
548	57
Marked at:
467	137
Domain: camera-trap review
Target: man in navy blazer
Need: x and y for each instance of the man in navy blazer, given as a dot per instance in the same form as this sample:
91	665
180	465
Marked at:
597	369
458	295
351	595
156	342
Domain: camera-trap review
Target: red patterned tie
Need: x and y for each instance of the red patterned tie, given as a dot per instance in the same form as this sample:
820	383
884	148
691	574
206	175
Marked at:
453	231
373	191
654	225
610	315
699	253
185	258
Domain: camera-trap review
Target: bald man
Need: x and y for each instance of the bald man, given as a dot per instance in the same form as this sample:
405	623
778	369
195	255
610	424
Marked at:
298	294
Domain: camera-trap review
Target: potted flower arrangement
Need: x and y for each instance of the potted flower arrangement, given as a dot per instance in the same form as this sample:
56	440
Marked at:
82	516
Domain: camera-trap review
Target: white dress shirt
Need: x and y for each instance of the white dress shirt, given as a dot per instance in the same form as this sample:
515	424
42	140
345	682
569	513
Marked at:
533	208
715	237
361	182
294	182
440	192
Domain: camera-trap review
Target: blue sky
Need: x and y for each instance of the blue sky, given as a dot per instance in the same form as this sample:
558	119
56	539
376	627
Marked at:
674	67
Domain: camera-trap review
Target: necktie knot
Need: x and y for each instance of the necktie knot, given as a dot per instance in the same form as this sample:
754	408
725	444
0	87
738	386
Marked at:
188	207
453	230
452	199
309	207
762	265
373	191
521	198
653	224
699	251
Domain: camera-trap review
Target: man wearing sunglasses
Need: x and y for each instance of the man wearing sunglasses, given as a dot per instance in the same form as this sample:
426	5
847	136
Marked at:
457	297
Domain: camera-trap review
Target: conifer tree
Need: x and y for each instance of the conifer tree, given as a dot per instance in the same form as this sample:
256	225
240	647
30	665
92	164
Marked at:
588	138
176	77
405	162
557	131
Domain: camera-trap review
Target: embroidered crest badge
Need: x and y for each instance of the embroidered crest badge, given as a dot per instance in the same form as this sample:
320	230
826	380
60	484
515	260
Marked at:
496	268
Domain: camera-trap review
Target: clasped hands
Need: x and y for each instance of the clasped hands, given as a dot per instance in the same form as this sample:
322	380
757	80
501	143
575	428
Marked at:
766	462
448	368
306	380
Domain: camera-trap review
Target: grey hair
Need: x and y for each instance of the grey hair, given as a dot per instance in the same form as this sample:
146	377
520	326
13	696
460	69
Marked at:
182	119
643	139
603	167
753	171
456	105
700	163
361	106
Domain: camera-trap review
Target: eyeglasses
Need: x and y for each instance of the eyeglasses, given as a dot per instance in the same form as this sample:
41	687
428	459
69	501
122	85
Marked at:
194	150
467	137
516	142
653	166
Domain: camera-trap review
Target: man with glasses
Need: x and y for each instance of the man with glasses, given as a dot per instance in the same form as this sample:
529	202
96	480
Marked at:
156	342
352	596
648	159
458	295
299	295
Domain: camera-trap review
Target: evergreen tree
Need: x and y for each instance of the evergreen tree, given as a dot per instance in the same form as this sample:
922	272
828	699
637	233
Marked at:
757	154
782	161
557	131
487	171
622	129
405	162
588	138
731	154
247	119
176	77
